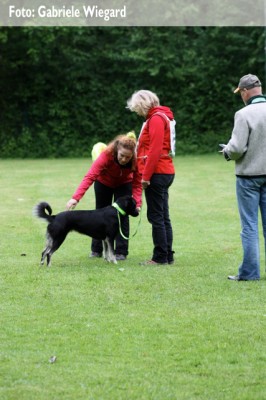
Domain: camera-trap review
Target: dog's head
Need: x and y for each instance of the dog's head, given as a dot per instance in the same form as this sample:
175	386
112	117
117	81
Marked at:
128	205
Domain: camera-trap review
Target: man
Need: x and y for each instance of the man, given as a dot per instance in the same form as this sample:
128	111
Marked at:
247	147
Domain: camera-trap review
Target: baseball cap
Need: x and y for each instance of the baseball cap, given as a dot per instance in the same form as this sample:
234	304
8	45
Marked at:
248	82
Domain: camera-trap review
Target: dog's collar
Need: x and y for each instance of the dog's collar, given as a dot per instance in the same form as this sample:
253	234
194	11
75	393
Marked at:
119	209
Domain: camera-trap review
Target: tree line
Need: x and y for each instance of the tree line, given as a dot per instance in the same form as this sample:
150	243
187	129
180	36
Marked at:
65	88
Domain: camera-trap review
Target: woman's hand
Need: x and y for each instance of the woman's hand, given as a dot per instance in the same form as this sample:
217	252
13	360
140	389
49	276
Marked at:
71	204
145	184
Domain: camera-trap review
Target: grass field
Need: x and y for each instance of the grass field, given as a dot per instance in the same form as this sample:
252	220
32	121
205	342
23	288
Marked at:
126	331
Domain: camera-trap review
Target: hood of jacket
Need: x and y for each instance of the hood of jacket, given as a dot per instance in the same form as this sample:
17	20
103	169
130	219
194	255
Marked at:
163	109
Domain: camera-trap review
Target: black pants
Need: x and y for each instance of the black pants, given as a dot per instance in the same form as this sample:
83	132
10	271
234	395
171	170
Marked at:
157	199
104	196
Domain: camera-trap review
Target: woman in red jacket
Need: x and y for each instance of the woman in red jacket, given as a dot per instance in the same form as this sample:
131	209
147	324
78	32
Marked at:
114	174
156	166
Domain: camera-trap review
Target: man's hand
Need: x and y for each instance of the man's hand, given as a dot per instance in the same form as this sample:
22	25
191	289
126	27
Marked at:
226	156
222	146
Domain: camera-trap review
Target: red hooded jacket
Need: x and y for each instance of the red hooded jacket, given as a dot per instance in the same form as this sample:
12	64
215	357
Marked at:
154	144
109	172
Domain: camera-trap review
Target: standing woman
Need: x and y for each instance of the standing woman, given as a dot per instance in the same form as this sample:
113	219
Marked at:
114	174
156	166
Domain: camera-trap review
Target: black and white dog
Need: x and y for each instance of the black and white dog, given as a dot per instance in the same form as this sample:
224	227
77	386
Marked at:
102	224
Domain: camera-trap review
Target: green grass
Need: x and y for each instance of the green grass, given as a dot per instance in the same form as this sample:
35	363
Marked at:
125	331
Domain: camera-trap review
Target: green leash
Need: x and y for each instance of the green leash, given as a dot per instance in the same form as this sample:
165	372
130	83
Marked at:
122	212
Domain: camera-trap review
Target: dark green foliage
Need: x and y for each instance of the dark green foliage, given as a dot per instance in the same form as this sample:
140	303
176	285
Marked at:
63	89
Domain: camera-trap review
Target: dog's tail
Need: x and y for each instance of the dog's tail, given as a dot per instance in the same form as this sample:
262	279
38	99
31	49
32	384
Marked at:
39	211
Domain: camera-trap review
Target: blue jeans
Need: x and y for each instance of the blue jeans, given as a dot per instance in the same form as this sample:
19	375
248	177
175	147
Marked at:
251	196
157	198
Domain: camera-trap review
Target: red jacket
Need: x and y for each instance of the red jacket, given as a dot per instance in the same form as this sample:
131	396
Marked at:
154	144
109	172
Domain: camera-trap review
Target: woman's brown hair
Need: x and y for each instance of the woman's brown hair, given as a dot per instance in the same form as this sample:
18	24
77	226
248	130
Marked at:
125	142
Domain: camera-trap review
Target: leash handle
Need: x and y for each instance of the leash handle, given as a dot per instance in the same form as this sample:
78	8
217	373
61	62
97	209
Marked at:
120	229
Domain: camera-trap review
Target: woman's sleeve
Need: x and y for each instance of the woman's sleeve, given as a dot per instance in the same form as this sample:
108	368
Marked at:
137	188
156	136
91	176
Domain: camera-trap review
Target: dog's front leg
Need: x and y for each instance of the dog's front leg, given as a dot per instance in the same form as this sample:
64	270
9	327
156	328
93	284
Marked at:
108	250
105	249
